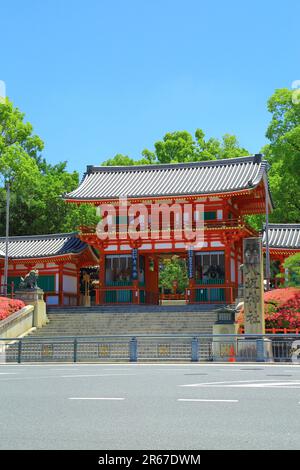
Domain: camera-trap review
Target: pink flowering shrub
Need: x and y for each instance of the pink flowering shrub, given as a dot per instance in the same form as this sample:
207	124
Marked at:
9	306
282	309
283	315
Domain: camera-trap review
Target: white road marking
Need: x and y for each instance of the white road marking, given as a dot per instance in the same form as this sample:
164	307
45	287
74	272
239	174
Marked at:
96	398
207	400
266	383
270	385
224	383
94	375
8	373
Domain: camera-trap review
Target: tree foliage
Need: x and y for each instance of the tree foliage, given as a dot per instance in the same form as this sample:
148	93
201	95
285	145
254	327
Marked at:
36	186
293	265
180	146
173	269
283	154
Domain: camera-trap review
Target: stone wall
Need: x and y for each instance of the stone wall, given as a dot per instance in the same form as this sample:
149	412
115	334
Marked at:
18	323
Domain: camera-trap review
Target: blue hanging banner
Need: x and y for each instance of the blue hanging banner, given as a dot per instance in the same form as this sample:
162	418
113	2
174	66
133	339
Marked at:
134	272
190	264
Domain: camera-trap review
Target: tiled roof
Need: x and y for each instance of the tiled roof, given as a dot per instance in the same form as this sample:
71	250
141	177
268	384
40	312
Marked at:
283	236
207	177
40	246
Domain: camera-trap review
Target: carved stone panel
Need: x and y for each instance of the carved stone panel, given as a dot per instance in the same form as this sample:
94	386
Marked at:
253	286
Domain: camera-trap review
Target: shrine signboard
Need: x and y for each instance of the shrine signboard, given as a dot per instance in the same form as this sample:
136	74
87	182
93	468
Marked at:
253	286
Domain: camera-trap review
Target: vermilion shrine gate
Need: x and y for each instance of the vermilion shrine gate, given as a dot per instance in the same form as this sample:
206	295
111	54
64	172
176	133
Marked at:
126	268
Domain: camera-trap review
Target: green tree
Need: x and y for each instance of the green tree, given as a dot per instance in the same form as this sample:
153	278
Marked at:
283	153
180	146
292	263
16	136
173	269
36	186
119	160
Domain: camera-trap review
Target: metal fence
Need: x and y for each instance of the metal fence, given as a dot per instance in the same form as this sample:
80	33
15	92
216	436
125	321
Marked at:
150	348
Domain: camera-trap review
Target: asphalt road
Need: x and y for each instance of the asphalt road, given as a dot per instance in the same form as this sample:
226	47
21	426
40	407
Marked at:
133	406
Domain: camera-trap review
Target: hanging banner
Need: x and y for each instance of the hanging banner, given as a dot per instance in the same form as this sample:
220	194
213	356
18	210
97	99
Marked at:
190	264
134	271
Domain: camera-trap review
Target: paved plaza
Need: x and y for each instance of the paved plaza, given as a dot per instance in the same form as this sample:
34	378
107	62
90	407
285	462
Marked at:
150	406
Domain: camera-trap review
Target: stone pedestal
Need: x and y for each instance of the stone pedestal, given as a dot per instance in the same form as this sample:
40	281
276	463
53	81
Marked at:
224	348
34	297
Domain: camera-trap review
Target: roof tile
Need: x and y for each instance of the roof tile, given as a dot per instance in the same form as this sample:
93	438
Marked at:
207	177
40	246
283	236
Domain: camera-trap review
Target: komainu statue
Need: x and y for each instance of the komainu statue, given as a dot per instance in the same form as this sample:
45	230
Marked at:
30	280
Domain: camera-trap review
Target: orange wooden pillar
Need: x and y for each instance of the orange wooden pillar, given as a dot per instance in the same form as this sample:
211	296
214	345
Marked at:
100	298
237	248
228	283
78	283
151	279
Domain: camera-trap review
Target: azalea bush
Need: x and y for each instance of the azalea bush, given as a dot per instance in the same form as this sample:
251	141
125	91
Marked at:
283	315
9	306
282	309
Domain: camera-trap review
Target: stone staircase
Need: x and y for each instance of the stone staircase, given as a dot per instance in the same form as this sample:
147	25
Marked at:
132	320
139	321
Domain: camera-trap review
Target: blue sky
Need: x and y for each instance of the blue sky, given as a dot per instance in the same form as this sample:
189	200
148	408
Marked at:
96	77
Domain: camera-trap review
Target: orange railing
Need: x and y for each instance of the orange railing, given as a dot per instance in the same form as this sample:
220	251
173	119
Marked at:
275	331
115	294
172	296
125	294
170	230
211	293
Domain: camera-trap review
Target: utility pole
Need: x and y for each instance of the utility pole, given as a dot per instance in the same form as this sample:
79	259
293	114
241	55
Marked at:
6	237
267	238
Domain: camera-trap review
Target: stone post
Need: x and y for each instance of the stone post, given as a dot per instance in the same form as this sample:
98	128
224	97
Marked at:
34	297
253	286
260	348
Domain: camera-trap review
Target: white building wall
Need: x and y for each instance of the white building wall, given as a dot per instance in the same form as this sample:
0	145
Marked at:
69	284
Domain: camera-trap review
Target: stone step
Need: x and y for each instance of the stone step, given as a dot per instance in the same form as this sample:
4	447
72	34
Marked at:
132	320
134	309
